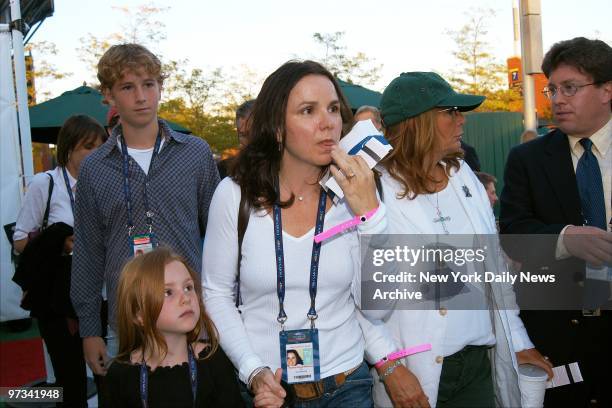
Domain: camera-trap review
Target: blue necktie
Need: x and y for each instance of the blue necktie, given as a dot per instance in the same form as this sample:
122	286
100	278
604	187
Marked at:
590	187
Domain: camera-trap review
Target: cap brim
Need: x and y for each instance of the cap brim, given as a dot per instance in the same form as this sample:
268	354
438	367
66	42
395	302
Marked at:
464	102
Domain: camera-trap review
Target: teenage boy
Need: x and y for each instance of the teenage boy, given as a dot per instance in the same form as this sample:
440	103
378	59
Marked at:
146	186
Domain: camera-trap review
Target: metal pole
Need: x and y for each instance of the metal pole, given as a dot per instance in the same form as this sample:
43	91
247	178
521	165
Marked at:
516	25
21	94
531	52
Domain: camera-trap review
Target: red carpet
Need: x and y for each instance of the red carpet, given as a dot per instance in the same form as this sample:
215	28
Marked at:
21	362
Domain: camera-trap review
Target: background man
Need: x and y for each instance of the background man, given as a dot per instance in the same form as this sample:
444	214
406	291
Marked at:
488	181
243	112
369	112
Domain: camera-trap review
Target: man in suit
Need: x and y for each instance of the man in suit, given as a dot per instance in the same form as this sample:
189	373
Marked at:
561	184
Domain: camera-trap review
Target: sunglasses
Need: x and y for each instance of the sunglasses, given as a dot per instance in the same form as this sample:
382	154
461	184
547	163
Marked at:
453	111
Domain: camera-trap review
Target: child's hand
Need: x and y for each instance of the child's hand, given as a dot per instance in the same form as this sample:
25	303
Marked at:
267	389
94	351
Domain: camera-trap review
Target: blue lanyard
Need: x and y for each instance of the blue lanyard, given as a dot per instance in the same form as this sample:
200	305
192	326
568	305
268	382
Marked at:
314	262
67	181
193	377
126	184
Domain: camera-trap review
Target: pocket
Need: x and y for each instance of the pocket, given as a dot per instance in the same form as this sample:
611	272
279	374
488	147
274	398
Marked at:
360	375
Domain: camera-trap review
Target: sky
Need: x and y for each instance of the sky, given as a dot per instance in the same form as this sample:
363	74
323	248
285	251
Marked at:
402	35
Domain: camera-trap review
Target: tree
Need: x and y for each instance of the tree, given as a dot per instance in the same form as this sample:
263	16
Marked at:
358	68
140	25
479	71
42	68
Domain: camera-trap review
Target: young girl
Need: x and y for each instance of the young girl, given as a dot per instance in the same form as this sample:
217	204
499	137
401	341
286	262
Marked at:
162	361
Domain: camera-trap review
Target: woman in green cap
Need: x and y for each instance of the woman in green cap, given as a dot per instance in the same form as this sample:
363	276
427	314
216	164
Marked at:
430	191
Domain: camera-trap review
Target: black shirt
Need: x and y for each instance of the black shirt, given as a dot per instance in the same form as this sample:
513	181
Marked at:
171	387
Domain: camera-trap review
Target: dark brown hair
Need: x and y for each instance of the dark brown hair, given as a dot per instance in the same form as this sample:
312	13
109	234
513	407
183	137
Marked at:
258	164
76	129
141	294
590	57
485	178
413	140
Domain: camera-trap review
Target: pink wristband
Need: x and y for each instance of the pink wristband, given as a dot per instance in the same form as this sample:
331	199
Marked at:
344	226
403	353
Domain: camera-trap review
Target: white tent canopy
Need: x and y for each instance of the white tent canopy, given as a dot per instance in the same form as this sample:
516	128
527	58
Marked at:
15	154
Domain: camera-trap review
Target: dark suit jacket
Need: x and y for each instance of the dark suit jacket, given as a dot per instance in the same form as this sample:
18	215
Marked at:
540	196
470	156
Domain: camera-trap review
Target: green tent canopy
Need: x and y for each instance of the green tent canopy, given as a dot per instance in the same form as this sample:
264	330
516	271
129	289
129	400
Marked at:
48	117
358	95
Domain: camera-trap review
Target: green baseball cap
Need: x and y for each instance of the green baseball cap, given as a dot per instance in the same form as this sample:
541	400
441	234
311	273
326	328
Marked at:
413	93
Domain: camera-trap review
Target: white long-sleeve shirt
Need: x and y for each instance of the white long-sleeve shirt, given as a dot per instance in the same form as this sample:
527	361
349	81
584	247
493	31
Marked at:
251	338
32	211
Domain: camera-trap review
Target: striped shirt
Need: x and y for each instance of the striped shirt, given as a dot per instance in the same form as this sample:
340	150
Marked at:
181	182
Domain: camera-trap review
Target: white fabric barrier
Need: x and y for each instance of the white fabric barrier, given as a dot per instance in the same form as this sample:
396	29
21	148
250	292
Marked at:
10	194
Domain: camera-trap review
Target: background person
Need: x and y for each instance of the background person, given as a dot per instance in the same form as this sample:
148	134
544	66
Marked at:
243	112
488	181
44	272
369	112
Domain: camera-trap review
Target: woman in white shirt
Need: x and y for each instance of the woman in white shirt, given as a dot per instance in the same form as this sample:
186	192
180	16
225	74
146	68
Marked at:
293	296
428	189
47	279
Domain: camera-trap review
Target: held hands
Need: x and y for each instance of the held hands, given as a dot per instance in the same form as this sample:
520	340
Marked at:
268	390
591	244
94	351
356	180
68	244
533	356
404	388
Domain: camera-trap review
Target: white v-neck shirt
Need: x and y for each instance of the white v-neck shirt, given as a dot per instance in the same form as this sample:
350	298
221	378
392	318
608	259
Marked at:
251	339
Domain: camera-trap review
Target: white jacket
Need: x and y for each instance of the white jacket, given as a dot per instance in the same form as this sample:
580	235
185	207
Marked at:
413	327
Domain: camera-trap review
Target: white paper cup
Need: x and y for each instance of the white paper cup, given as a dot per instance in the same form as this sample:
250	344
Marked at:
533	385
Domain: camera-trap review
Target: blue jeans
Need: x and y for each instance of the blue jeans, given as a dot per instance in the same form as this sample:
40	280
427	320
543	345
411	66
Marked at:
356	392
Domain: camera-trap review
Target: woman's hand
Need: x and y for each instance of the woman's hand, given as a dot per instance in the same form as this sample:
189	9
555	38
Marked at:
533	356
404	388
356	180
267	389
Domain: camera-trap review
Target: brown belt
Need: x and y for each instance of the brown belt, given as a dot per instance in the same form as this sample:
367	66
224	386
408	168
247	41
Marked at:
313	390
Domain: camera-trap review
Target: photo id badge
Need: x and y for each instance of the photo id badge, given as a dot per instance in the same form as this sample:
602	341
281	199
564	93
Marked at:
299	350
141	244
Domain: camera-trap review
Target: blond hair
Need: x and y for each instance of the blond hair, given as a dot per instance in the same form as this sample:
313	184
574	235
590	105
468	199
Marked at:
127	57
140	298
414	140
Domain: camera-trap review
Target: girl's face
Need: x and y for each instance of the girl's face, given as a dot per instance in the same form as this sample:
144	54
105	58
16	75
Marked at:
313	121
181	310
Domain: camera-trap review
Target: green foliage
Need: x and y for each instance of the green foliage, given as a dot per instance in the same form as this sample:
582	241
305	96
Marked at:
358	68
217	130
478	70
42	68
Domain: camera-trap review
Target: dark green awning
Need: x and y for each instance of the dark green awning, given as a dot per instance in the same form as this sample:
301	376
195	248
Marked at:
48	117
358	95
